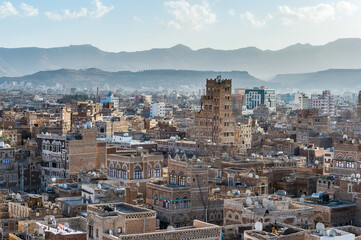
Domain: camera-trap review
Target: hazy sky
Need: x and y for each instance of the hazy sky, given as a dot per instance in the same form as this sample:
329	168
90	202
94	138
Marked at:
131	25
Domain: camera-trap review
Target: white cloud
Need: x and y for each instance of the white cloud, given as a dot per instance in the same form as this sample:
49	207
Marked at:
253	20
346	8
195	16
7	10
28	11
66	14
137	19
174	25
317	13
101	10
231	12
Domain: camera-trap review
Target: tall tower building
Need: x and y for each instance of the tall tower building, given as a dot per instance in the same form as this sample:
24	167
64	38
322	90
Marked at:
216	121
359	107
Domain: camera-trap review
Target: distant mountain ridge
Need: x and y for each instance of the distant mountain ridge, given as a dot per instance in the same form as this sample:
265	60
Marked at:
332	79
149	79
298	58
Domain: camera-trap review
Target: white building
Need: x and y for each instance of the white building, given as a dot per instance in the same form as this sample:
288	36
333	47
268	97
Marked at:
301	101
325	102
157	109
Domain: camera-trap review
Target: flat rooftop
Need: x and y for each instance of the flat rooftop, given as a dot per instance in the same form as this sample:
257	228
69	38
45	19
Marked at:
125	209
331	203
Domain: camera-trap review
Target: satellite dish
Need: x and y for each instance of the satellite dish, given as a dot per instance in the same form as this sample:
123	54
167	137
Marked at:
170	228
258	226
317	162
331	233
256	204
66	224
322	232
110	232
358	175
18	197
353	175
99	186
320	226
250	175
249	201
256	176
248	192
137	184
302	200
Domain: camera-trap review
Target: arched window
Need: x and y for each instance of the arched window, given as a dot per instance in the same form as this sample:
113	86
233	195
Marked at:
137	172
173	177
185	202
149	171
181	179
111	170
118	171
124	172
157	171
177	205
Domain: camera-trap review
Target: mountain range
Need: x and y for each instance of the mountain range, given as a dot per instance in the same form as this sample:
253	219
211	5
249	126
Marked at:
332	79
298	58
149	79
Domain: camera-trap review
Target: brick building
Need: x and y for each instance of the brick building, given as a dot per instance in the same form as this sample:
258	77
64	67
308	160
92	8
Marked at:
135	168
64	156
216	121
184	196
8	169
347	157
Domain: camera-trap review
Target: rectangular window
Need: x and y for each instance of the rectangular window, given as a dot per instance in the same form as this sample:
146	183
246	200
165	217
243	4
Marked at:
90	234
157	173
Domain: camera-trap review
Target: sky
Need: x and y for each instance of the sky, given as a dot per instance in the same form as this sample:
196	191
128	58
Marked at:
134	25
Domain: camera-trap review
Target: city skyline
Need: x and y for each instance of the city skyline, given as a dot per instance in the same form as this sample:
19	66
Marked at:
139	25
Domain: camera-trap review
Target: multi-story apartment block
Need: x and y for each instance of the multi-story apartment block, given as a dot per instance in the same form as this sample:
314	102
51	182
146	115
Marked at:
63	156
134	168
184	195
8	170
244	135
257	96
324	102
157	110
347	158
301	101
215	121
